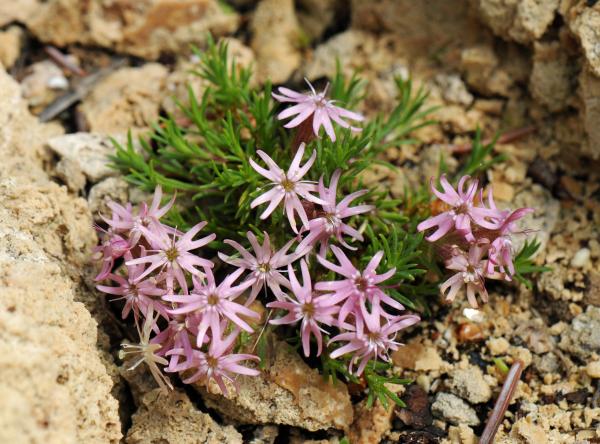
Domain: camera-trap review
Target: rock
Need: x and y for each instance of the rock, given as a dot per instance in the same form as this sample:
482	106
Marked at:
551	80
520	20
527	432
451	408
315	16
593	369
542	221
421	25
110	189
275	40
481	68
69	172
547	364
352	48
42	84
127	99
581	258
462	434
11	41
287	392
417	414
264	435
146	30
454	89
429	360
470	385
589	85
371	424
582	338
172	419
584	21
89	151
17	11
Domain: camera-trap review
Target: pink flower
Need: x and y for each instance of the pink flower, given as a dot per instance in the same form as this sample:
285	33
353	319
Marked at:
112	246
287	187
330	224
462	212
264	265
317	107
375	341
138	294
147	350
208	304
501	250
307	307
471	272
125	221
359	287
174	255
217	364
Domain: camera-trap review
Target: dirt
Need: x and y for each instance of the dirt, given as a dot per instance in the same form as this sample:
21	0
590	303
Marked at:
500	65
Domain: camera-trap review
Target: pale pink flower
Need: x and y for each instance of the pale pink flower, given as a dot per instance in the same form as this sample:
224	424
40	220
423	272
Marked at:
306	306
112	246
471	273
375	341
124	220
147	351
316	106
139	294
173	255
462	213
208	304
358	287
501	251
218	364
263	266
287	187
330	223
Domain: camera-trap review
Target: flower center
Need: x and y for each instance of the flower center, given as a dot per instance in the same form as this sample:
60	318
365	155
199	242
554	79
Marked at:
333	221
308	309
361	284
213	299
264	268
172	254
212	362
287	185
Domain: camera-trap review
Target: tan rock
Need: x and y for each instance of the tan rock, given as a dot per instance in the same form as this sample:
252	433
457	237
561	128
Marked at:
482	71
551	81
287	392
593	369
11	41
127	99
172	419
429	360
42	84
584	22
371	424
145	29
528	432
519	20
275	40
110	189
59	390
469	384
590	91
17	11
315	16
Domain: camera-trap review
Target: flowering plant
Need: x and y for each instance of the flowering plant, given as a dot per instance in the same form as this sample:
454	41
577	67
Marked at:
288	226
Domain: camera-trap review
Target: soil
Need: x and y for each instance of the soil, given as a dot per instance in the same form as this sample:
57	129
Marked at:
528	71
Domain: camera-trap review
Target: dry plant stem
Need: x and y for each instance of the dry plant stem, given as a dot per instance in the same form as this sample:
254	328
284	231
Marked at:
62	60
506	394
507	137
304	133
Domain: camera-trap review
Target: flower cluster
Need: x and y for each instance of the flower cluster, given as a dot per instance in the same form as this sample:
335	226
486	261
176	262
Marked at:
189	331
475	239
353	305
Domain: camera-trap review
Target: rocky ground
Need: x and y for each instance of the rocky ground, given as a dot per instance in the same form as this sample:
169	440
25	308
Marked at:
527	69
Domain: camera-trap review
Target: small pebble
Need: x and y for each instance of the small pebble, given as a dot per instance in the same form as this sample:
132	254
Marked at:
497	346
581	258
593	369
